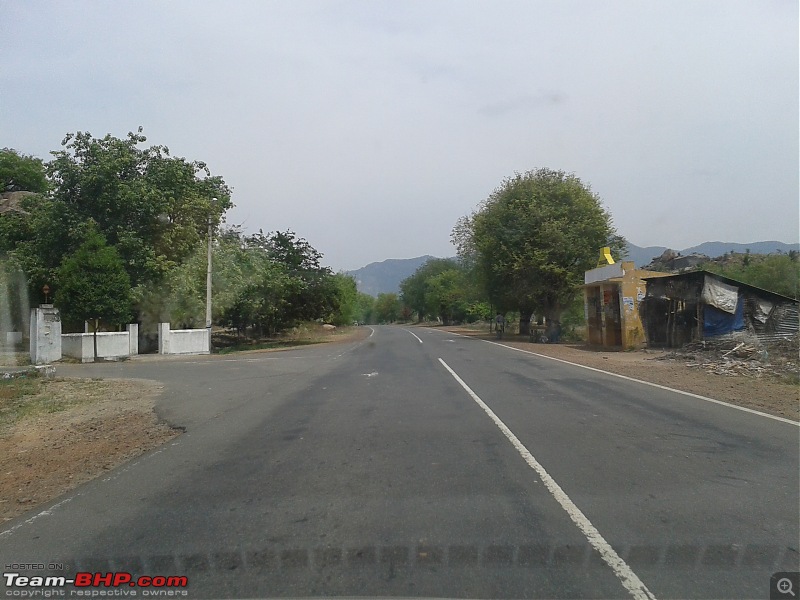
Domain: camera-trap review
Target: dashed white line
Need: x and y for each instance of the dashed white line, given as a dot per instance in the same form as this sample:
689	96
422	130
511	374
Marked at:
44	513
624	573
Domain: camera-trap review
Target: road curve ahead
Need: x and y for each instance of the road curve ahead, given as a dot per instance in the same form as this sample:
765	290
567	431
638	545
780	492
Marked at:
419	463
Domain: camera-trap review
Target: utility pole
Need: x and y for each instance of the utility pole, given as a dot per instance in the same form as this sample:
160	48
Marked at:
208	275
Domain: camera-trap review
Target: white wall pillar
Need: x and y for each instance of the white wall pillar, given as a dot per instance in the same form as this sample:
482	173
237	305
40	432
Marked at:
45	333
133	339
163	338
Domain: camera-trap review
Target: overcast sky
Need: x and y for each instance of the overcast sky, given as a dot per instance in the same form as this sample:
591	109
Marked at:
370	127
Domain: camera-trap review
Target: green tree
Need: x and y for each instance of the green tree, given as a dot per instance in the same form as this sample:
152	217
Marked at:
152	207
346	308
23	179
446	295
93	285
21	173
366	308
414	290
532	239
387	308
779	273
311	292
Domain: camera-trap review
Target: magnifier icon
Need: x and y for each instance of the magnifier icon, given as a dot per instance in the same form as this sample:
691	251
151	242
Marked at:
784	586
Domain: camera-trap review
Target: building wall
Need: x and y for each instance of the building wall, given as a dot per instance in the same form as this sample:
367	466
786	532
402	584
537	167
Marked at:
621	293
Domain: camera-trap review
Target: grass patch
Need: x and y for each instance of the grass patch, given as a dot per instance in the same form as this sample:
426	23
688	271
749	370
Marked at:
24	397
15	359
792	379
18	398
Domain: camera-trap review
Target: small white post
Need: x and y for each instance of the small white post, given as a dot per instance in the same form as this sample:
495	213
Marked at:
133	339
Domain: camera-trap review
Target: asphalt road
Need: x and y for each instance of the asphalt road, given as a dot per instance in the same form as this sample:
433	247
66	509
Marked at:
421	463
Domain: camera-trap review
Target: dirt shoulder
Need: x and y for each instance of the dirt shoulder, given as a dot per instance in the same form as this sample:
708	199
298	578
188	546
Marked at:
764	393
227	342
81	429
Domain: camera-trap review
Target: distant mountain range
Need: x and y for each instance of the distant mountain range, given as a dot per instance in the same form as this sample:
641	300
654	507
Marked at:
643	256
385	277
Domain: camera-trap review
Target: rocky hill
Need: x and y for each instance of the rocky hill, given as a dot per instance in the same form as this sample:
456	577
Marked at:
384	277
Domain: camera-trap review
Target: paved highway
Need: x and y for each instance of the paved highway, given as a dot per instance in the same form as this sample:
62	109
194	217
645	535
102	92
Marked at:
422	463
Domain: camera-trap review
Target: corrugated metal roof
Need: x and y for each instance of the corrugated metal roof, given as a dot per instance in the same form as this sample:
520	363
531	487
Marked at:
728	280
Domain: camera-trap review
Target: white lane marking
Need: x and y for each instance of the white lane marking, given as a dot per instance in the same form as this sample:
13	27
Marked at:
414	334
44	513
624	573
655	385
371	334
49	511
449	333
370	374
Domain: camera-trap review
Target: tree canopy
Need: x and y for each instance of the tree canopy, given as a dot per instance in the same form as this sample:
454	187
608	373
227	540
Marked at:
21	173
93	285
533	238
387	308
779	273
152	210
152	207
415	289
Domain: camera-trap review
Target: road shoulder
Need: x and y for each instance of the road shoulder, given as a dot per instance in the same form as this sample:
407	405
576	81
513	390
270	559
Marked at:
757	393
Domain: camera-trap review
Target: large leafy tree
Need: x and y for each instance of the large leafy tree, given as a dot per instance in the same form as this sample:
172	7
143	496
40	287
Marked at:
446	295
414	290
532	239
152	207
93	285
311	292
345	308
21	173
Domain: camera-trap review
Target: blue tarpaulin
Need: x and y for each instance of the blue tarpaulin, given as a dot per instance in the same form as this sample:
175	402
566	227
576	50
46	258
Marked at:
718	322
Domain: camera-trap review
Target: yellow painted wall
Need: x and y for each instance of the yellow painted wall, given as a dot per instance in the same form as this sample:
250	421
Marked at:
631	290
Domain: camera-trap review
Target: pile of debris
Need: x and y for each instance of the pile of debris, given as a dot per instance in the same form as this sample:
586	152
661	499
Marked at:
737	355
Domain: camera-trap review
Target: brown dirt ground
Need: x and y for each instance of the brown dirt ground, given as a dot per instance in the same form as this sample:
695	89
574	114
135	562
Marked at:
765	394
108	422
